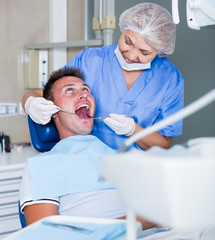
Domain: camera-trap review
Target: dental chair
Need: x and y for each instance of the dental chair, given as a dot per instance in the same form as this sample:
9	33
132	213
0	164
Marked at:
43	138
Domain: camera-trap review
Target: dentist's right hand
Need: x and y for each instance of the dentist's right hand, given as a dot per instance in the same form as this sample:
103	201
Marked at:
40	110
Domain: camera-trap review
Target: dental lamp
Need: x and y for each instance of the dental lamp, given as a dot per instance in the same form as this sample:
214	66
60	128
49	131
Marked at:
174	190
200	13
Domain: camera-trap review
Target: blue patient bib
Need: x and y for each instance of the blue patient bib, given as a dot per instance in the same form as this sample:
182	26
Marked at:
72	166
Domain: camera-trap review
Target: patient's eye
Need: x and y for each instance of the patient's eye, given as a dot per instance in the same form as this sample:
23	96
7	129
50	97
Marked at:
69	90
85	90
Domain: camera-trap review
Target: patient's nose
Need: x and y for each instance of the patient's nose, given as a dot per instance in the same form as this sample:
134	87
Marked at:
83	95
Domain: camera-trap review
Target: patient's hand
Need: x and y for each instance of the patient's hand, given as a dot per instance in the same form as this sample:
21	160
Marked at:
145	224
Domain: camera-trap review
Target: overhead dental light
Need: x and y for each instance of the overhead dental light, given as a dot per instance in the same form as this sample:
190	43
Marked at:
200	13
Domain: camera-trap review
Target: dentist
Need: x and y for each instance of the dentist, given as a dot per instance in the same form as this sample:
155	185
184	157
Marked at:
131	78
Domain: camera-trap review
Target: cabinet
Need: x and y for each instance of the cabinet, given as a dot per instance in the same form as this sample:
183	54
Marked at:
11	167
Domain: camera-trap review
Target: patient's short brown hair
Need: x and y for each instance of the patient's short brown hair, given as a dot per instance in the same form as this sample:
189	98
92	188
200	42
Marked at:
56	75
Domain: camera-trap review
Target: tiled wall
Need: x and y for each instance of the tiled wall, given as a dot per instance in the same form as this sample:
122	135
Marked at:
23	22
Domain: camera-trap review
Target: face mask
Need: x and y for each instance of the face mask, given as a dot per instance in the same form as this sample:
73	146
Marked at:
130	66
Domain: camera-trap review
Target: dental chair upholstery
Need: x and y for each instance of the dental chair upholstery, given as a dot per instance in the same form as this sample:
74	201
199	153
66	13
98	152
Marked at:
21	217
43	138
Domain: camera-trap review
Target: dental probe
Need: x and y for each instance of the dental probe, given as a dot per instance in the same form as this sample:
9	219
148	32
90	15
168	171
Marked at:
97	117
106	117
66	111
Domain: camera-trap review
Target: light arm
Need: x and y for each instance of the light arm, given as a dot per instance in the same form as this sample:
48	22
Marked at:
187	111
154	139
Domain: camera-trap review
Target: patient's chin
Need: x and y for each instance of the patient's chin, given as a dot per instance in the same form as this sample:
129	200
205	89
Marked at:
85	130
83	126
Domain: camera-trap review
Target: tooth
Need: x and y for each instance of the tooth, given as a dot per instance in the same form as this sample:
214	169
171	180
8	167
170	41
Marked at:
84	105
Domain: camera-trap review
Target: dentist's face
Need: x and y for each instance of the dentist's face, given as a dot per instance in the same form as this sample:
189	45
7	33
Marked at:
134	49
72	94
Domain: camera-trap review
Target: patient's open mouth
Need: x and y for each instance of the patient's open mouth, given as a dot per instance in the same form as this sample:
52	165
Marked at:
83	111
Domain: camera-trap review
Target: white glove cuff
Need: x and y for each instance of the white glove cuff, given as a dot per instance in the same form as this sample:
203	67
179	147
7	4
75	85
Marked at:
132	129
27	104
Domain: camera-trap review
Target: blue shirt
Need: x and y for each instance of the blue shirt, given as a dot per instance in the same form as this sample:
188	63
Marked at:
156	94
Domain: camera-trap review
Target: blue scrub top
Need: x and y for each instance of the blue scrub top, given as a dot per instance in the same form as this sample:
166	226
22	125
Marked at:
156	94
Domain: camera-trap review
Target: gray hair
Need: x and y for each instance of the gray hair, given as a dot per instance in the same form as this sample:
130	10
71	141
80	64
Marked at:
154	23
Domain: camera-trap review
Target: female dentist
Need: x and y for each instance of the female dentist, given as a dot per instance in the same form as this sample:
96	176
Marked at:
131	78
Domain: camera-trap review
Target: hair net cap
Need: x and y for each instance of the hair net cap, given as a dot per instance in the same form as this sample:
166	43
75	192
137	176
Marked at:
154	23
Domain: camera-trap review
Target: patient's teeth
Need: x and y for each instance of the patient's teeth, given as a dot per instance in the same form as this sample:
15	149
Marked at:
84	105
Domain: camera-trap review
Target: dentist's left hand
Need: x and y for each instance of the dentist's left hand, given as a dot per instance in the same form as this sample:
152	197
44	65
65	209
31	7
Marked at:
120	124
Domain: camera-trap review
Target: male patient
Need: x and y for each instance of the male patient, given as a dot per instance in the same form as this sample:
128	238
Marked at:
64	180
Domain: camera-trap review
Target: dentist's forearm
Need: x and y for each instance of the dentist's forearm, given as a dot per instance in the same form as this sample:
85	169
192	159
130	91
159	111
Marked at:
34	93
154	139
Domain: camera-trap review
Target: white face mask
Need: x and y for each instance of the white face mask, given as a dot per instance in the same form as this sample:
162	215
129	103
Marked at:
130	66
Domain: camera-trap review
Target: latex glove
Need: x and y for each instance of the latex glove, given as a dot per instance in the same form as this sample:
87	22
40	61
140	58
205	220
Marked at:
40	110
120	124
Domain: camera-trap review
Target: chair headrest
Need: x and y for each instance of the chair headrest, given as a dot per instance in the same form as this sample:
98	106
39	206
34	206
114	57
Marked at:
43	137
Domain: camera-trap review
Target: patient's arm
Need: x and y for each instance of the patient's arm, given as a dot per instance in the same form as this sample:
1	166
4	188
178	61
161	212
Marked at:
38	211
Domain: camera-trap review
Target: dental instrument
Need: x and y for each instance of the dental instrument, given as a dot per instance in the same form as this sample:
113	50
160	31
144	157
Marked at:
69	112
97	117
107	117
66	111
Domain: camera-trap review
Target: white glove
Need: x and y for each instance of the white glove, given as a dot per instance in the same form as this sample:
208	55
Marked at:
120	124
40	110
